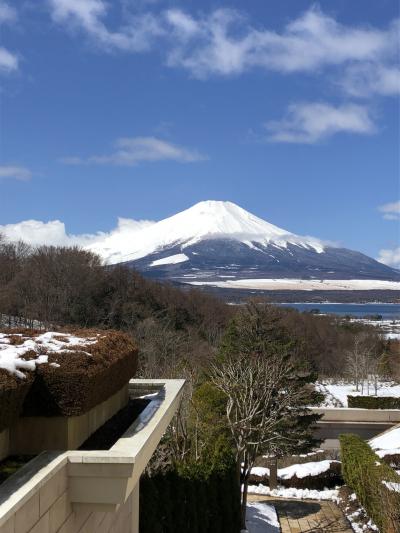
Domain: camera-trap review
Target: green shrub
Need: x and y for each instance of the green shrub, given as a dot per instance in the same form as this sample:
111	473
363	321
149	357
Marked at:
364	472
374	402
194	498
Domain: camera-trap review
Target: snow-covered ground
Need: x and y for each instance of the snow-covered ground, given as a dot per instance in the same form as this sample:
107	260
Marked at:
336	393
299	494
261	518
288	284
356	514
313	468
12	355
389	328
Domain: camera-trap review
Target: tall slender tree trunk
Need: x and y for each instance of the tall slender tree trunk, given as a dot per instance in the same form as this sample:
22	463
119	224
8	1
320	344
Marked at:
245	477
244	502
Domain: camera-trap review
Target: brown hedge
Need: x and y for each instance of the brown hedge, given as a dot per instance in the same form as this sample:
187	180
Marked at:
82	381
13	391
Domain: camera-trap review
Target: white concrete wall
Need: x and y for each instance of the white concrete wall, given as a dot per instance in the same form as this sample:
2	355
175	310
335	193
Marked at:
49	510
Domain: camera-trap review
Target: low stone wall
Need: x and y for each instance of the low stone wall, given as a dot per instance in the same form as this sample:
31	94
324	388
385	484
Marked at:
49	510
366	423
343	414
89	491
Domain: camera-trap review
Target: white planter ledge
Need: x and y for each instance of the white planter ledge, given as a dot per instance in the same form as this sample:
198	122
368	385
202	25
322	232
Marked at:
100	480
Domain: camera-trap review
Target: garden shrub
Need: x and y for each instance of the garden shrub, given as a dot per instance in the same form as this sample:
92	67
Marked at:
194	498
373	402
364	472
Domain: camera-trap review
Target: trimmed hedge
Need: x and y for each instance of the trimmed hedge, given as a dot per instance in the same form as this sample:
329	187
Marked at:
364	472
374	402
191	499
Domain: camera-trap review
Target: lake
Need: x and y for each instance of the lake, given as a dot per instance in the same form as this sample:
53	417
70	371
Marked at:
388	311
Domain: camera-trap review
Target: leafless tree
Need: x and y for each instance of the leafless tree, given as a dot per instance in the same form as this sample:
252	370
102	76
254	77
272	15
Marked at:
363	361
260	394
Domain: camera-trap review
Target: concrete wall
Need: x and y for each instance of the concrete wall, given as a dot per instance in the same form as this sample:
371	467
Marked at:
89	491
49	510
366	423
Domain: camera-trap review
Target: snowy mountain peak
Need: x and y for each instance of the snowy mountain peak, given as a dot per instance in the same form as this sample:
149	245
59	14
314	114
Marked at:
203	221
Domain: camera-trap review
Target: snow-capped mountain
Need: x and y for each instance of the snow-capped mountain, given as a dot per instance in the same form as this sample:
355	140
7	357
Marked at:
216	242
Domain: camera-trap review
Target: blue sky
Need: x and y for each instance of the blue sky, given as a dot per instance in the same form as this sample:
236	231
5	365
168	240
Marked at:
141	108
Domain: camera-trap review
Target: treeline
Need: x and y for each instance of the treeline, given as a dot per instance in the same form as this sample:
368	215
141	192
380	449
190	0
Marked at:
55	286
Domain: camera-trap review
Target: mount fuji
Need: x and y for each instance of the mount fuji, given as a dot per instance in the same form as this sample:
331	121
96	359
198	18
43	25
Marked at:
220	244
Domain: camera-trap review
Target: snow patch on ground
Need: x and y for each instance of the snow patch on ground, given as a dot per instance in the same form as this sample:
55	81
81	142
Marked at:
300	494
313	468
392	486
171	260
261	518
358	518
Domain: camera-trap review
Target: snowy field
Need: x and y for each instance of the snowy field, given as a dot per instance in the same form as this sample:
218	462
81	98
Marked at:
261	518
336	393
389	328
287	284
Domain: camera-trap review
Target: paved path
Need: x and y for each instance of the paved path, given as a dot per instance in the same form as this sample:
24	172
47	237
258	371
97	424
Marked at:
307	516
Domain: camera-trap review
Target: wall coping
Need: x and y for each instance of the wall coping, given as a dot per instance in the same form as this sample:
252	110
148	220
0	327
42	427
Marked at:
355	414
100	480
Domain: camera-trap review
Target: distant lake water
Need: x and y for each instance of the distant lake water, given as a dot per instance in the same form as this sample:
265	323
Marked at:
388	311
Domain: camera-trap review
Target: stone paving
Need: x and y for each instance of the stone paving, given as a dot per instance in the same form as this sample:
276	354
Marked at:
307	516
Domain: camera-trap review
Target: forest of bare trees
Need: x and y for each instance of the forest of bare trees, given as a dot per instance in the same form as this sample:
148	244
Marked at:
61	286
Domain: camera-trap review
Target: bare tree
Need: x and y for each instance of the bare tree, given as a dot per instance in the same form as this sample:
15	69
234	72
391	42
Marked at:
262	397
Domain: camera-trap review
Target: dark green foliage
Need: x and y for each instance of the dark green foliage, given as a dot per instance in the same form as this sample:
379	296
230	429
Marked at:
194	498
255	332
364	473
374	402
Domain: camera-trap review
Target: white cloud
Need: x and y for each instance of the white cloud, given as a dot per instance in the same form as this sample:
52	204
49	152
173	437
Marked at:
7	13
130	151
370	78
36	232
313	121
136	35
391	211
8	60
15	172
390	257
225	42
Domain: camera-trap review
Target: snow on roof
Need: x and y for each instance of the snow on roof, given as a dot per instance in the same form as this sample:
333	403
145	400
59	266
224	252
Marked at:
387	443
12	355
